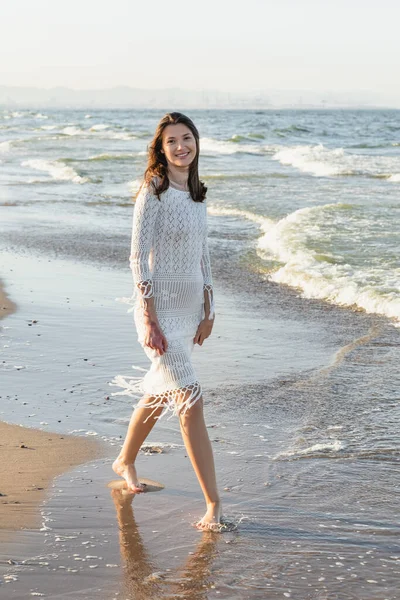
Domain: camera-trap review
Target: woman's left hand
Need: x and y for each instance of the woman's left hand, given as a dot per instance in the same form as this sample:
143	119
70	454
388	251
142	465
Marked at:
203	331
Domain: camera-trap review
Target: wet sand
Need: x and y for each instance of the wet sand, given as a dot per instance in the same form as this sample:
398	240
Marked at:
7	306
30	459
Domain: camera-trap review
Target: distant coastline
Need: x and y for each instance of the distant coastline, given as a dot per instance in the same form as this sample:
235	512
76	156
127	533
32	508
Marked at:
125	97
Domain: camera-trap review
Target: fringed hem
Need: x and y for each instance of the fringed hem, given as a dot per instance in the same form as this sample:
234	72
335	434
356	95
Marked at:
167	400
209	289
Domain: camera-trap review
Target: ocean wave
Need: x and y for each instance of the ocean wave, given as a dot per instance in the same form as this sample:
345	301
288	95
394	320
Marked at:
101	130
134	186
318	274
214	147
237	137
264	223
324	276
325	162
241	176
290	129
99	127
5	146
328	449
122	135
394	178
314	159
72	130
114	157
57	169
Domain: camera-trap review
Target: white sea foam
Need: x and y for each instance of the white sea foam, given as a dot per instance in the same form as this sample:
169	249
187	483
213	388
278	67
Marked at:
134	185
57	169
48	127
99	127
71	130
100	130
327	448
5	146
320	275
314	159
264	223
122	135
211	146
394	178
325	278
325	162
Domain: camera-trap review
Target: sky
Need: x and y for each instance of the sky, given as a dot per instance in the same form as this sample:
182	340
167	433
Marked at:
242	47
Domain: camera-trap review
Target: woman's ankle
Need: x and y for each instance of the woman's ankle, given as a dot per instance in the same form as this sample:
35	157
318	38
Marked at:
123	460
213	502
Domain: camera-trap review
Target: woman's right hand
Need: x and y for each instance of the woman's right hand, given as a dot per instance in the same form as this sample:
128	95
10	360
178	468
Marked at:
155	339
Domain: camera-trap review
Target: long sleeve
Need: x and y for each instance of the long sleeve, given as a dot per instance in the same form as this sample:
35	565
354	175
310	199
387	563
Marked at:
144	220
207	276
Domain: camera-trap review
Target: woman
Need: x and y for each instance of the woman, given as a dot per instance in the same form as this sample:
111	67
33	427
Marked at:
174	309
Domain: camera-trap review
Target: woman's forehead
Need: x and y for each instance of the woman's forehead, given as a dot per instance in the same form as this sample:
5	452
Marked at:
175	130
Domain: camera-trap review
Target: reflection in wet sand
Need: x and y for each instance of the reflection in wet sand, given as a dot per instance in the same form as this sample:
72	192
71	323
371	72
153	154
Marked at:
142	581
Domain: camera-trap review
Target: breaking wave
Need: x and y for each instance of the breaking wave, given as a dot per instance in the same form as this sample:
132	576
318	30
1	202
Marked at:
57	169
299	242
325	162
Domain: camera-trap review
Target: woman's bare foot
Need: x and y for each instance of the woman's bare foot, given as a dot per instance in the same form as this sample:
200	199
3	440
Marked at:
212	519
128	472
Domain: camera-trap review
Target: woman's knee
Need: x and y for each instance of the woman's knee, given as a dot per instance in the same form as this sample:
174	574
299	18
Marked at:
188	415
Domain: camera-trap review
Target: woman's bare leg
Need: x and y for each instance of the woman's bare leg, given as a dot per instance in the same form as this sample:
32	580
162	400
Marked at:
138	430
198	446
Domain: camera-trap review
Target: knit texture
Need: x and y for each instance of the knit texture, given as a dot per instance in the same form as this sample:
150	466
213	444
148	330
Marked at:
170	262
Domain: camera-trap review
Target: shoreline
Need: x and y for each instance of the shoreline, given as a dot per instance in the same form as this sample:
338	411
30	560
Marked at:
31	460
7	306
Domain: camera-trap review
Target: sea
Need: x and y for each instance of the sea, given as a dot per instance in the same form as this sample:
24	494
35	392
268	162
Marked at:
303	214
318	189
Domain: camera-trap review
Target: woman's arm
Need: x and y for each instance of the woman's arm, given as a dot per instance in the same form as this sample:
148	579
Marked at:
144	220
209	311
205	327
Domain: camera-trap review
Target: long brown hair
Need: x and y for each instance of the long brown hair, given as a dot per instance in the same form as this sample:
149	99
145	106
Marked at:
156	173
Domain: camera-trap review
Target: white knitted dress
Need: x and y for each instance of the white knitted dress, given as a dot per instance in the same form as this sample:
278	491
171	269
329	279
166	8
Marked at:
170	261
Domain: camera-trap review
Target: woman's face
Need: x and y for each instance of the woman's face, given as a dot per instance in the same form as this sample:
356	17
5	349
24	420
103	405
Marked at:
178	145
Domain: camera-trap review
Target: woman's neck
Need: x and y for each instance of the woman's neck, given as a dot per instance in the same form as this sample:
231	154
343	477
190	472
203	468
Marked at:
178	177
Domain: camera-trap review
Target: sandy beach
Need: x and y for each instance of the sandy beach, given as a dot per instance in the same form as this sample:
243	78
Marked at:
30	461
7	306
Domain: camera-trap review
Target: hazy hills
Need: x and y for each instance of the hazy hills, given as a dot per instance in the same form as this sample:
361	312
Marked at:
128	97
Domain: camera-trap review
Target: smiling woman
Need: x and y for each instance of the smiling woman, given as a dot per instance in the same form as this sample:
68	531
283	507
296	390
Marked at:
174	157
175	309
